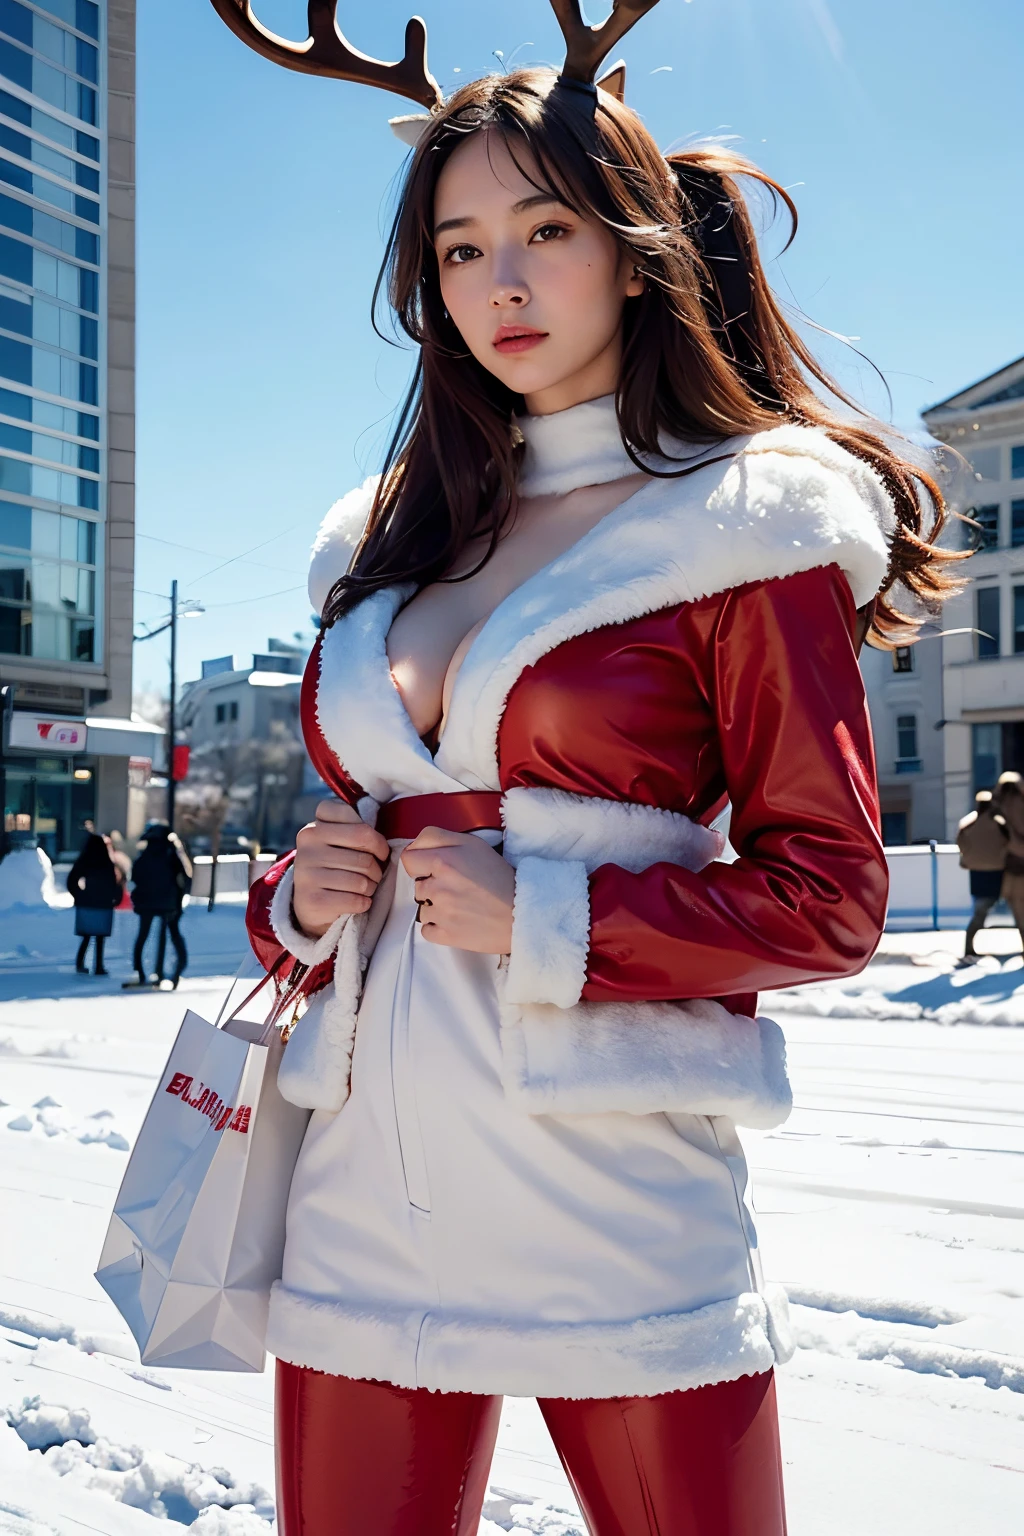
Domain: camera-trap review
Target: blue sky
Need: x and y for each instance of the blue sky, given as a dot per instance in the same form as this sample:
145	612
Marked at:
263	392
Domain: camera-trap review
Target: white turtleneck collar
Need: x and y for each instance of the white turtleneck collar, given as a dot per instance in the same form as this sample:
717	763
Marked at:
580	446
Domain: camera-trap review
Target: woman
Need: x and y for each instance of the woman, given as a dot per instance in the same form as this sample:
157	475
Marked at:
95	883
159	881
613	576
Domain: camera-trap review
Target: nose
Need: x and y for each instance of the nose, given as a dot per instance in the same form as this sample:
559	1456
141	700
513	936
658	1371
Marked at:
507	286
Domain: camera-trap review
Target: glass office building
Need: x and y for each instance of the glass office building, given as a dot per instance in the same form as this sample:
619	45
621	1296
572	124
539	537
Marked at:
66	398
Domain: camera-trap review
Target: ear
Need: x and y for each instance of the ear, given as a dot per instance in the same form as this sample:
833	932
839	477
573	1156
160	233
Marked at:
614	81
634	282
409	128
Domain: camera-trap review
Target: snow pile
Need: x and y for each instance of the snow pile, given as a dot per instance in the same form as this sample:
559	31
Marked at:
26	882
36	1326
507	1514
849	1336
158	1484
838	1003
60	1050
50	1116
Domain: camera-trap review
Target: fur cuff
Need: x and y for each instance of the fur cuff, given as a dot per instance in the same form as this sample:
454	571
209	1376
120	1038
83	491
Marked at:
550	932
309	951
643	1059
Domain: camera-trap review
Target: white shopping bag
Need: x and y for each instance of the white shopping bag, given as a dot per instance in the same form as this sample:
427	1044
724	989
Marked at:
196	1238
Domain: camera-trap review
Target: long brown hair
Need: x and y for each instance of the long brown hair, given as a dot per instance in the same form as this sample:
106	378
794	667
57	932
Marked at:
450	467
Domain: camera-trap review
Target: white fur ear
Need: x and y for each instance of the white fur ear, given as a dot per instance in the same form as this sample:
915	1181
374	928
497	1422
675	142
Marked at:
409	128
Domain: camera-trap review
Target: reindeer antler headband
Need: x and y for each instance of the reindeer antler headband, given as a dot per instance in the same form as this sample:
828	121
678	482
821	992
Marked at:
326	51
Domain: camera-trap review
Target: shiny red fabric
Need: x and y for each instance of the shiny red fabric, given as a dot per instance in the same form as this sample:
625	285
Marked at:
363	1458
753	695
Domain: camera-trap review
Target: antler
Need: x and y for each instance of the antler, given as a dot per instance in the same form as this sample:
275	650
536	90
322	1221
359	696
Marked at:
326	51
585	46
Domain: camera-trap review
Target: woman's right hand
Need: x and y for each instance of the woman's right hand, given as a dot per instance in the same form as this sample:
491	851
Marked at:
338	866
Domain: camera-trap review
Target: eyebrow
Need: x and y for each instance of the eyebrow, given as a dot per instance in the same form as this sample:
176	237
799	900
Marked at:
522	206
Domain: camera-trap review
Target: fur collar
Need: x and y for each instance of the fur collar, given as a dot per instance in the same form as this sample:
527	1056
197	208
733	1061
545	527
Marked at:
786	501
582	446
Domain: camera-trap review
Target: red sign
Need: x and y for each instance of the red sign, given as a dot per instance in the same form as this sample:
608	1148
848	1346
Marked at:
179	763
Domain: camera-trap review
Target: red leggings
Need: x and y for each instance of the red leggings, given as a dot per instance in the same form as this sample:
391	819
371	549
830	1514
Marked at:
363	1458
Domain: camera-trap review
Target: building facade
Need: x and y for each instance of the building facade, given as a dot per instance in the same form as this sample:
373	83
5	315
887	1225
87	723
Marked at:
904	689
983	664
248	764
67	415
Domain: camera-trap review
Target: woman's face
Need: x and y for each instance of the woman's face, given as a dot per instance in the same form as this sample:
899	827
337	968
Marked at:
536	291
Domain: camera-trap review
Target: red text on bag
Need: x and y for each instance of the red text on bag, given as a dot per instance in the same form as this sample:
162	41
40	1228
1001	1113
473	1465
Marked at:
207	1103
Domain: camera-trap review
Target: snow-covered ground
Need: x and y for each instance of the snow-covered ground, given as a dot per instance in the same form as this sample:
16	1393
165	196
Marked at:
891	1204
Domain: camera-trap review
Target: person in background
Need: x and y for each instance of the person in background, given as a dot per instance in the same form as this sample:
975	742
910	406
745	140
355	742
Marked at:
159	881
184	886
115	842
95	883
1008	798
983	840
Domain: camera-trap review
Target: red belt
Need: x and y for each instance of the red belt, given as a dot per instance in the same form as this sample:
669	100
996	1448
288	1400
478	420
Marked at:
468	811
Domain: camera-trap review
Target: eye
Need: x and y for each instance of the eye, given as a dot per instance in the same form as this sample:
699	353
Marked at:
549	232
458	255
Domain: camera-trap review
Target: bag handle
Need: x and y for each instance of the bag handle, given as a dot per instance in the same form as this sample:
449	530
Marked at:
279	1004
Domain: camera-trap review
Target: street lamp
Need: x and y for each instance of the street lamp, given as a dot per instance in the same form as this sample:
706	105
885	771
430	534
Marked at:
188	609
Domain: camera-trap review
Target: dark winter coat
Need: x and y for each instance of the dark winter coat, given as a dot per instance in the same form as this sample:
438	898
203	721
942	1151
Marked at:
93	879
159	880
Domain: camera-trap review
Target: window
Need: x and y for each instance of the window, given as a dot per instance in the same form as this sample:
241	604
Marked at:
986	745
1017	462
903	659
226	712
1018	620
907	760
987	621
1017	523
16	21
59	418
894	828
49	230
986	534
47	584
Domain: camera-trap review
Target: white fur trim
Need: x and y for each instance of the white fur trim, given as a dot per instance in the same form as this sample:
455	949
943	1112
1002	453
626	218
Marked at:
780	1327
554	824
316	1068
550	932
644	1058
309	951
788	500
336	540
582	446
458	1353
360	712
317	1062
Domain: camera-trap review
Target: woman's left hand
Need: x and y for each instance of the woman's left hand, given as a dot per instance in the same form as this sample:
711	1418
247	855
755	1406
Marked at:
467	890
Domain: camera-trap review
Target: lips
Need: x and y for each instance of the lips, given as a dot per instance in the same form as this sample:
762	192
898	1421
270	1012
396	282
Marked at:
517	338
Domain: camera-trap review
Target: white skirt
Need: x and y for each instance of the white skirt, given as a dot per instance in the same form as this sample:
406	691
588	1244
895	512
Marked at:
438	1237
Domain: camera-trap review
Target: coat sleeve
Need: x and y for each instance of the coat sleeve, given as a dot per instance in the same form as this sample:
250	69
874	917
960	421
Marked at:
806	898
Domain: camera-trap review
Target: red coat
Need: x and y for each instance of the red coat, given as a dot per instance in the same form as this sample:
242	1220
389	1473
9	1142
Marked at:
753	695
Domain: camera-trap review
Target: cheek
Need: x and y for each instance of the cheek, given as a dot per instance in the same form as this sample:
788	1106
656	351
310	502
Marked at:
465	296
585	289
